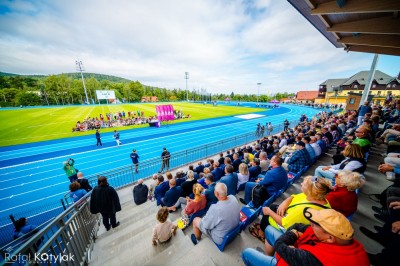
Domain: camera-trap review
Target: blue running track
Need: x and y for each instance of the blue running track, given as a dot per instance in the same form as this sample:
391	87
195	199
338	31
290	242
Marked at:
31	174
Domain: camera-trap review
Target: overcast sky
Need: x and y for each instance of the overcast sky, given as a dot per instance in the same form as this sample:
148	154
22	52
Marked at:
225	45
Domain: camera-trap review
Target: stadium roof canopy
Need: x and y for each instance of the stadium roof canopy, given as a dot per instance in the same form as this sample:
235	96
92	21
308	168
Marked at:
371	26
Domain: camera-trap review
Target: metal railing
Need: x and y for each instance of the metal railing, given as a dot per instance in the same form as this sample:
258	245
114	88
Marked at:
72	233
125	175
64	241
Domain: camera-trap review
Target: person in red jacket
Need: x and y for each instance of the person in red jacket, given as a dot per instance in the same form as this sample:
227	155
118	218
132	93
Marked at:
327	241
343	196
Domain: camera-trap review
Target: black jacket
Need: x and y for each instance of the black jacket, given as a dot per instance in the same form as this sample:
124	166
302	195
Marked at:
84	184
104	200
140	194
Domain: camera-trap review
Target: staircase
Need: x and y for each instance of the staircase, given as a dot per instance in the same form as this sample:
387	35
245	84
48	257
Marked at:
130	243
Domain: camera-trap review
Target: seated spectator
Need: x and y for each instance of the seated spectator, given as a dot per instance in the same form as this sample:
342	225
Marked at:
202	180
299	159
199	168
221	158
246	159
309	148
325	132
164	228
187	186
220	219
140	192
209	192
343	197
274	180
315	146
362	138
217	172
172	195
243	176
328	241
230	179
153	185
179	177
321	142
83	182
76	192
289	212
192	205
264	162
23	228
255	169
236	162
160	189
354	161
393	131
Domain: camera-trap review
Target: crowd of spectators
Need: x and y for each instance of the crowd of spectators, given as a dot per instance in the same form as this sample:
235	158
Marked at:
331	192
119	119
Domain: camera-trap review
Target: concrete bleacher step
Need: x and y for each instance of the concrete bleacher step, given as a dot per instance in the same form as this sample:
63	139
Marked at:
181	245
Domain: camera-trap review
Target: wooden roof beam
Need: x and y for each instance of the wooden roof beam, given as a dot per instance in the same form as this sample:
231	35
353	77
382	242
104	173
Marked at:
357	6
383	25
374	49
372	40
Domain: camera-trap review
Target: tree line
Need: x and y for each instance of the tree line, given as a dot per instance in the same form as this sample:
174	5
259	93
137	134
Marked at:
67	89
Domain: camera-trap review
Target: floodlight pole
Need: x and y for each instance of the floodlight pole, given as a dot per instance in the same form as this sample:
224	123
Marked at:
80	68
258	94
187	92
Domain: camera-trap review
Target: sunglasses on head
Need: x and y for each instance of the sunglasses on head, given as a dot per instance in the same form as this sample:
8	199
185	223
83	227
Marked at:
314	180
308	216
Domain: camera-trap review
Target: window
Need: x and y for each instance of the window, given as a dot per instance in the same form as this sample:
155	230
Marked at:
374	86
360	92
389	92
394	85
379	93
356	86
352	100
388	86
351	92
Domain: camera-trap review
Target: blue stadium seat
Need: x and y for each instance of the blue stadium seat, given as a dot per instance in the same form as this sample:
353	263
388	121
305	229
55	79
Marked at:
279	193
199	213
251	215
269	201
229	237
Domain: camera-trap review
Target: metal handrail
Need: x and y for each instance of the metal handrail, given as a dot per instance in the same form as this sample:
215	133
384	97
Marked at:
72	233
66	240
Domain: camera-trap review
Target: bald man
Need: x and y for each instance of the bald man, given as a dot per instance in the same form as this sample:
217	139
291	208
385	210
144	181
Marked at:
172	195
140	192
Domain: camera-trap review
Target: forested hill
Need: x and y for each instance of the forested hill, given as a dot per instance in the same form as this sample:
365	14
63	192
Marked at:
98	77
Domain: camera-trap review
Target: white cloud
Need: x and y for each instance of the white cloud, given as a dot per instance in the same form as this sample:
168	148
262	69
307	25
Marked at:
225	45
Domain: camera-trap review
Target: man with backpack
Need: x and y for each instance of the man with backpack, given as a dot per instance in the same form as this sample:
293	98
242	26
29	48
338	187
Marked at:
274	180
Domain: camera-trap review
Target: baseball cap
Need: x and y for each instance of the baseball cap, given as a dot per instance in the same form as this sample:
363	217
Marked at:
331	221
301	143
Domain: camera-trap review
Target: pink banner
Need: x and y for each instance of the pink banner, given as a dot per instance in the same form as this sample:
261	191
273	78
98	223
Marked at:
165	112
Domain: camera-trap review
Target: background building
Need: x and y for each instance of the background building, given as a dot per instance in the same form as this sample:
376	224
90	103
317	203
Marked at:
335	91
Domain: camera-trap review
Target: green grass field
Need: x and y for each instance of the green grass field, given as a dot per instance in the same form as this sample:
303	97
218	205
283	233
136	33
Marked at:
38	124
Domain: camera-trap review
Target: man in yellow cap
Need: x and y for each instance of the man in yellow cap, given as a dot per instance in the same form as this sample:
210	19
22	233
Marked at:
328	240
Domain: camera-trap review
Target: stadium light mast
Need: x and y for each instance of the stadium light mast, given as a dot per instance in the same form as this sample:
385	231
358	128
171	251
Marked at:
80	68
187	92
258	95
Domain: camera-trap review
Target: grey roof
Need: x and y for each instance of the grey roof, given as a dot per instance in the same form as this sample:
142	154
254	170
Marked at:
362	76
331	83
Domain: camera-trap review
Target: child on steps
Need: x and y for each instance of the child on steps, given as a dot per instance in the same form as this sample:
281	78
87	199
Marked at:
164	228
